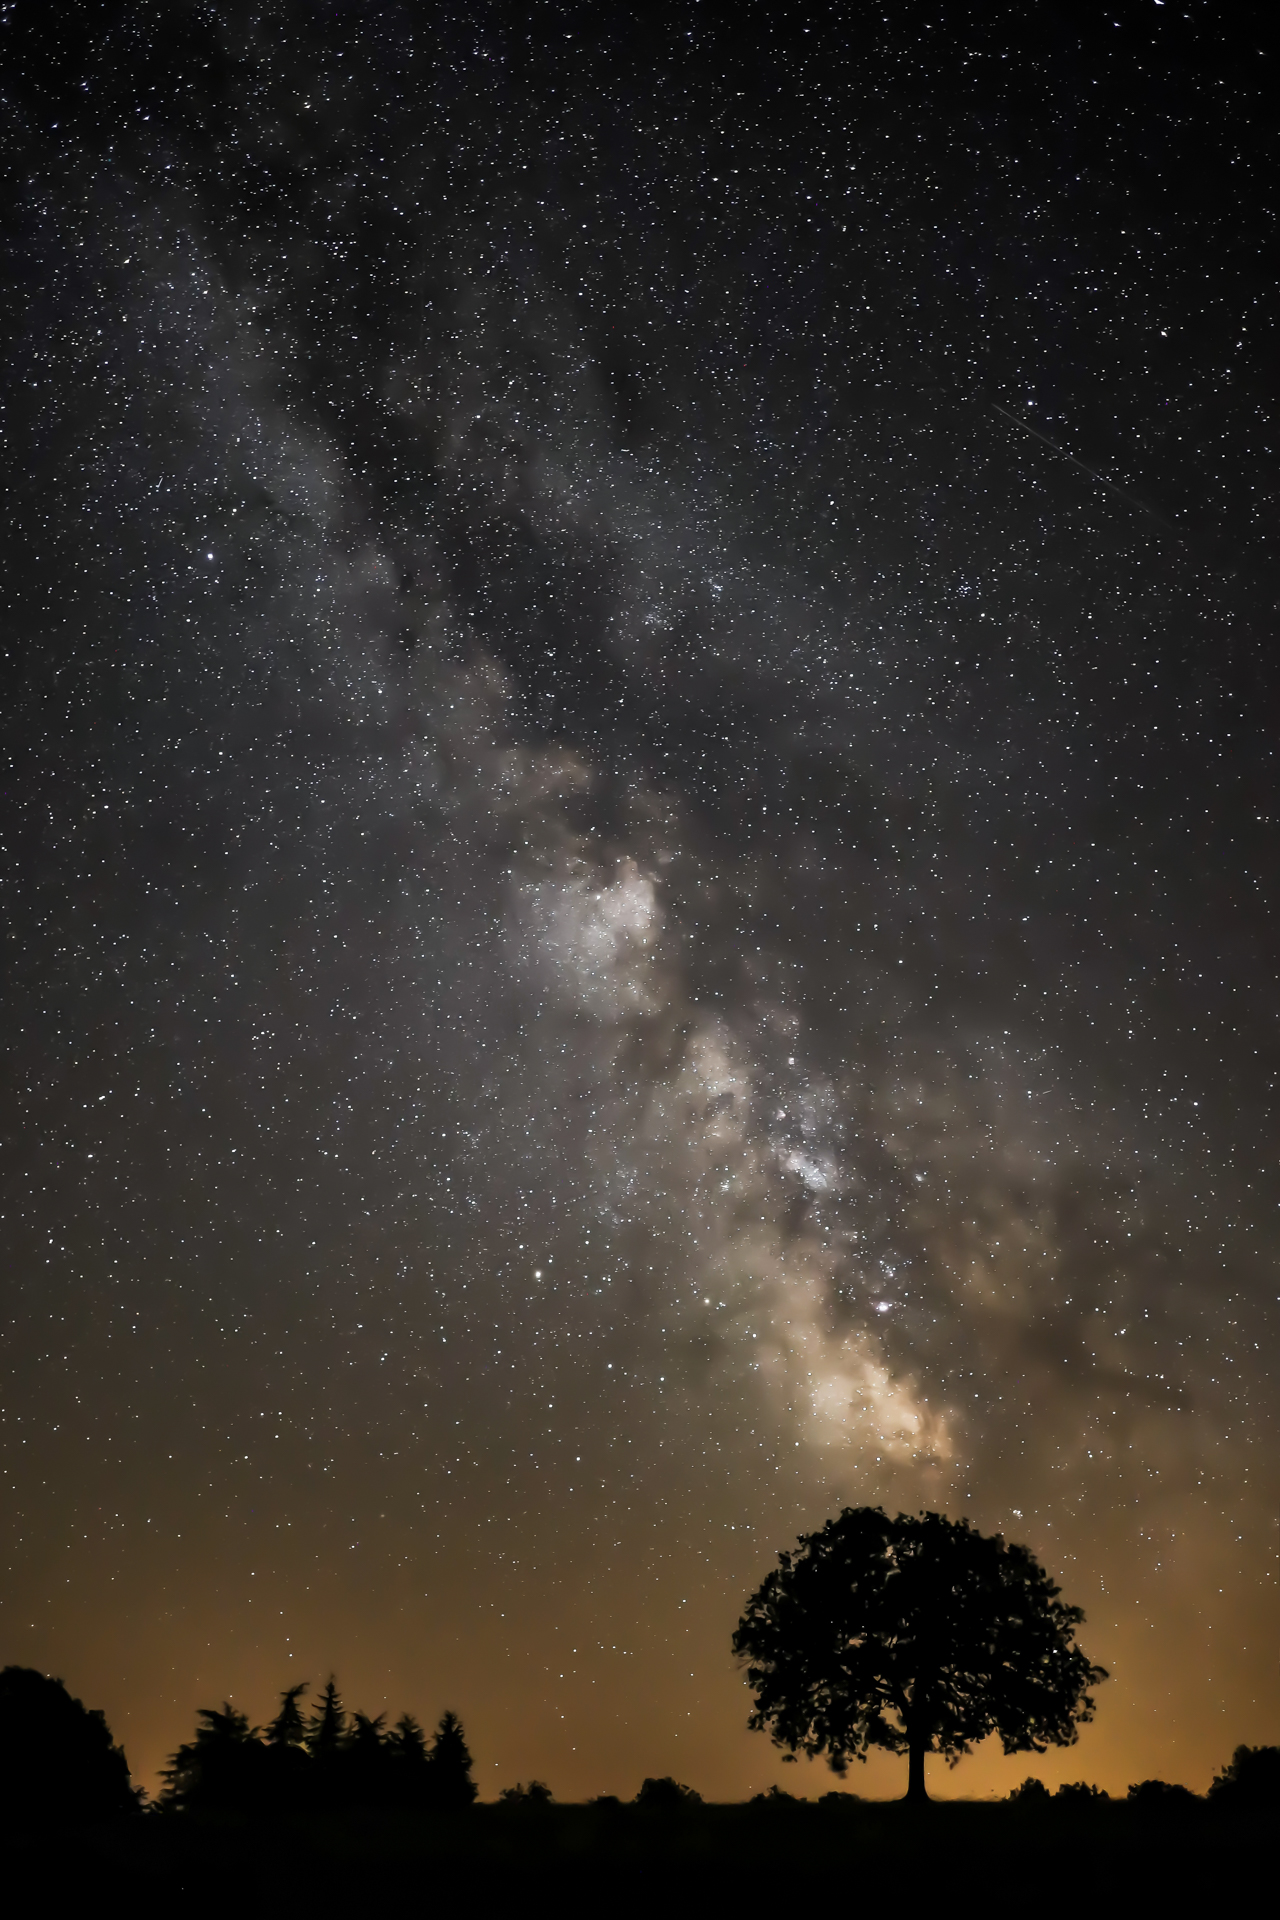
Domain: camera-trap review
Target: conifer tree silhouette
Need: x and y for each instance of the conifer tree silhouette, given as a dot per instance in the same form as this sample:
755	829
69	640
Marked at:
288	1728
407	1740
284	1760
220	1768
366	1763
322	1761
451	1785
327	1727
326	1738
408	1772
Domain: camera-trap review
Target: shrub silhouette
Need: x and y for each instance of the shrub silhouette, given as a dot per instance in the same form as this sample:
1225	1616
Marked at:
57	1758
1032	1793
1080	1791
918	1634
1251	1780
666	1796
776	1797
1161	1796
536	1794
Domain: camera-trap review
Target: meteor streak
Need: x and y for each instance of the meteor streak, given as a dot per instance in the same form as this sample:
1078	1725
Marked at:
1083	465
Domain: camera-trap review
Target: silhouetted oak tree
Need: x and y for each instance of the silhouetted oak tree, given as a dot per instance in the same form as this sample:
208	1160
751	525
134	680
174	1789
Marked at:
920	1635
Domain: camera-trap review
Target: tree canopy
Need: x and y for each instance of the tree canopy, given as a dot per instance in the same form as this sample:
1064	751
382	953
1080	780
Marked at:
916	1634
1251	1780
57	1757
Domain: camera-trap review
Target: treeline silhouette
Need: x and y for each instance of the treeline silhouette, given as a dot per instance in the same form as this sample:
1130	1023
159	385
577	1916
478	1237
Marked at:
321	1761
58	1762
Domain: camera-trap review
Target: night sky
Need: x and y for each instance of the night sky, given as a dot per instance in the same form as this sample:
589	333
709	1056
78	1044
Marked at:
639	827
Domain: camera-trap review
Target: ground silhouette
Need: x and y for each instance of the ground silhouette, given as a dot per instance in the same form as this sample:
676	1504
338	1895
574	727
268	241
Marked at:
248	1828
918	1634
634	1860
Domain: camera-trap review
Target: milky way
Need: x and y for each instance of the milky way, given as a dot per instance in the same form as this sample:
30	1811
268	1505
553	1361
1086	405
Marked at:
630	913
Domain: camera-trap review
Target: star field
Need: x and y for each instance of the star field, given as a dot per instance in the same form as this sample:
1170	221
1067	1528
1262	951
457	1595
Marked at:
638	843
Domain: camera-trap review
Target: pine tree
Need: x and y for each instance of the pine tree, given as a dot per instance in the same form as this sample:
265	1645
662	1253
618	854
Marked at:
220	1768
366	1763
407	1740
285	1766
451	1784
408	1771
287	1729
327	1728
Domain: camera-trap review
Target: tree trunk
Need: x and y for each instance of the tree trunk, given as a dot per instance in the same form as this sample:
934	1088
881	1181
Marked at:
916	1795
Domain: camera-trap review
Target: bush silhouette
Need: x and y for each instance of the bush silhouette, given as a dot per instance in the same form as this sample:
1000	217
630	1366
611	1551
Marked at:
57	1758
776	1797
1032	1793
1080	1791
918	1634
1161	1796
666	1796
536	1794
